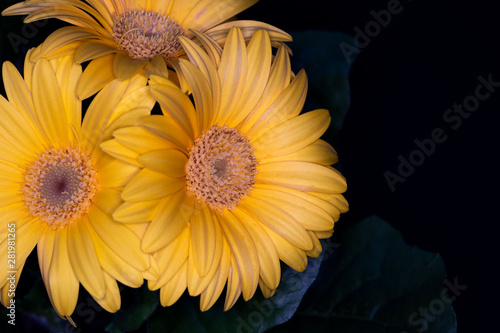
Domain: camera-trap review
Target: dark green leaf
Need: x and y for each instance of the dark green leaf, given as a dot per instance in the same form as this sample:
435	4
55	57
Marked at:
33	309
377	283
131	316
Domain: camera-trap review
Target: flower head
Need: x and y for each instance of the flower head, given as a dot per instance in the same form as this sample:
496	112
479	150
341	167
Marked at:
235	182
58	188
123	37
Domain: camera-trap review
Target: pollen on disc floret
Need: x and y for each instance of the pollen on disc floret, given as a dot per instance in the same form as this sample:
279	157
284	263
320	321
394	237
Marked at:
146	34
59	185
222	168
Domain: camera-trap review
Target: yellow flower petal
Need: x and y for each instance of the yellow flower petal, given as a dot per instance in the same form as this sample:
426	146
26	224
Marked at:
68	14
168	222
278	220
119	151
68	74
27	236
323	234
17	132
28	66
64	51
111	301
179	9
84	262
45	249
168	162
319	152
125	67
63	36
214	289
135	104
266	291
310	216
286	106
279	79
6	294
201	93
232	73
259	67
122	106
117	173
97	74
158	67
151	185
244	252
103	9
233	285
108	199
302	176
316	251
61	277
11	174
292	135
153	273
12	212
337	200
205	232
207	13
171	259
212	49
10	155
16	9
328	207
270	270
9	196
181	80
174	289
249	29
141	140
20	96
119	238
138	228
136	212
100	111
177	106
197	284
289	253
93	49
161	127
113	264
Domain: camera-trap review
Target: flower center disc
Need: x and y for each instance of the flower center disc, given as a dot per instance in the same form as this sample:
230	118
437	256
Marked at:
59	186
221	169
146	34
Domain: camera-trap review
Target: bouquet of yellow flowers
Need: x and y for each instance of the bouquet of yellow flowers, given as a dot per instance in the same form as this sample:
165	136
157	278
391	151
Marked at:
164	141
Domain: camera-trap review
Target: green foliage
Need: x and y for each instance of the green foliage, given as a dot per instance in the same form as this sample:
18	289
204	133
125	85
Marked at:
378	283
142	304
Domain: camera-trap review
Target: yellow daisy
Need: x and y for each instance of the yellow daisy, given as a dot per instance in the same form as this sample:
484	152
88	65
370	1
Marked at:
234	183
123	36
58	188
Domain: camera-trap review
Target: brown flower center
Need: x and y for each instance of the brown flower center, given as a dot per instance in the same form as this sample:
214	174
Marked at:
59	186
146	34
221	169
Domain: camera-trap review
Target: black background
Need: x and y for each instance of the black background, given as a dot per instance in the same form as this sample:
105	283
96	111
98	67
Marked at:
425	60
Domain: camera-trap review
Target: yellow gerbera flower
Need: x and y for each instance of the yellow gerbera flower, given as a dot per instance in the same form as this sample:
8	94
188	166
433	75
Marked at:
235	182
123	36
58	188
